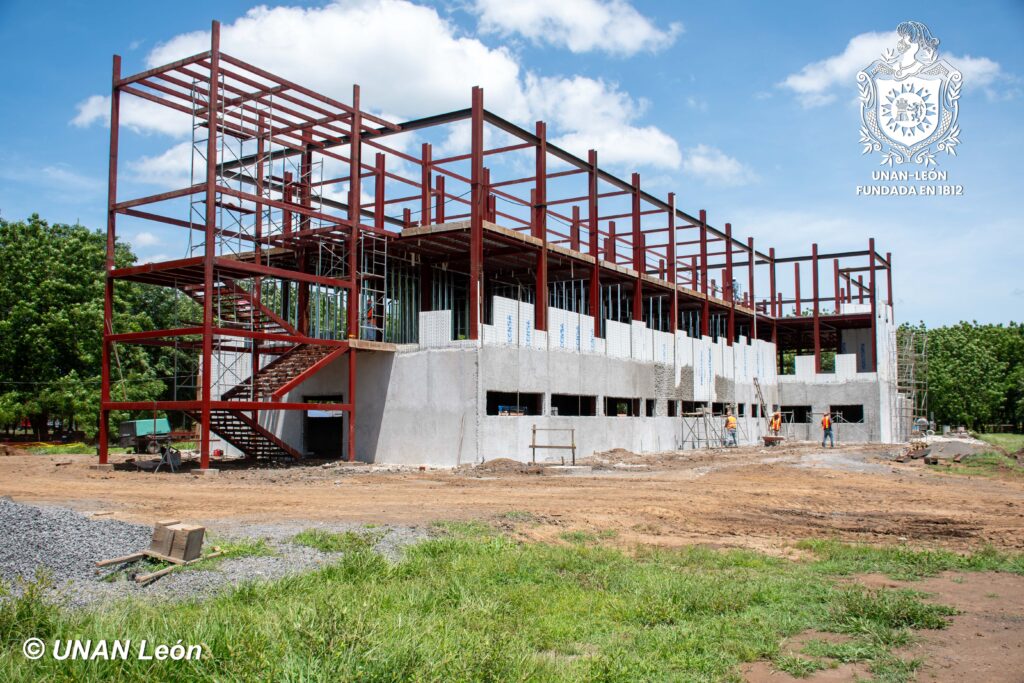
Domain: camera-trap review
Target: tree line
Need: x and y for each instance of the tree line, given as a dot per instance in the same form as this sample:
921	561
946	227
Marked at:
975	373
51	301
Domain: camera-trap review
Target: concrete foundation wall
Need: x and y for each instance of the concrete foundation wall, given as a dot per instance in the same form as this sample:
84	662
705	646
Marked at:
427	403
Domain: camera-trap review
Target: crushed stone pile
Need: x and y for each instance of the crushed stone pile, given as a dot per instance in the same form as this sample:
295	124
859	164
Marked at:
66	545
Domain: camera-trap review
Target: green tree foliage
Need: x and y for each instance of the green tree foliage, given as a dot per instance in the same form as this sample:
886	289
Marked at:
51	318
975	373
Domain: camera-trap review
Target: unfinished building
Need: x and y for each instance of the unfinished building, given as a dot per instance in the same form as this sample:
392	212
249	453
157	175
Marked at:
457	288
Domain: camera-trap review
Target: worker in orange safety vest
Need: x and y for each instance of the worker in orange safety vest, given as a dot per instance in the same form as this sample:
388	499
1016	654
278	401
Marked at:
730	429
776	423
826	430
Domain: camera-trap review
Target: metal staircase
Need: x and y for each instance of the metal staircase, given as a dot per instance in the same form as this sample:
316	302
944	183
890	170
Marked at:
247	435
237	307
281	371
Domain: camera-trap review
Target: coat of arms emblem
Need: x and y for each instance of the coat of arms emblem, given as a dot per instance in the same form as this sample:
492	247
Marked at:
909	100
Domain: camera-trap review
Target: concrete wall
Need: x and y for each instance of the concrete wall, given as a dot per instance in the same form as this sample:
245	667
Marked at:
850	384
426	403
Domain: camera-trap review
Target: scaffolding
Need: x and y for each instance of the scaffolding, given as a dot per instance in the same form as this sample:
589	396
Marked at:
912	382
702	429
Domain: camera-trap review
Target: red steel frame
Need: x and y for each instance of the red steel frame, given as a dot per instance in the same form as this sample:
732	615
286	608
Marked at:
671	253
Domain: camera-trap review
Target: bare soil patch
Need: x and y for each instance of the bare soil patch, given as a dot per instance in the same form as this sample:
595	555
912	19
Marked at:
747	497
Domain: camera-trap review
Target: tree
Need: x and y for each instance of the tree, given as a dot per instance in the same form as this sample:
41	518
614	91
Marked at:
51	301
975	373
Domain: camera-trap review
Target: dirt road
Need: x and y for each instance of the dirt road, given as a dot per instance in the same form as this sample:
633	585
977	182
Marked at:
758	498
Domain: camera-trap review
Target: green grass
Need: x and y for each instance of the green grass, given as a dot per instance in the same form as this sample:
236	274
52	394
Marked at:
903	563
988	465
1009	442
333	542
587	537
79	448
73	448
472	605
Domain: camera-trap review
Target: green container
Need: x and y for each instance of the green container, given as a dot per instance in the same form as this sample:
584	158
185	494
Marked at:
134	428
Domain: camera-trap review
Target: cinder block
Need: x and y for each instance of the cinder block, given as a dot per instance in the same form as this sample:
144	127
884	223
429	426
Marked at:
104	467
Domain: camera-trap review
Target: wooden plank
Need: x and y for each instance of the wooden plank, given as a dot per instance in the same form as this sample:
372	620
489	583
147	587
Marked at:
147	578
134	557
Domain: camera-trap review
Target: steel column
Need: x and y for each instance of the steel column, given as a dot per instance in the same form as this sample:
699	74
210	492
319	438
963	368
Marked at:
796	289
672	277
639	260
873	293
538	201
425	185
439	199
354	214
750	284
108	282
477	207
728	287
705	314
888	276
574	229
817	319
379	185
835	264
210	247
592	217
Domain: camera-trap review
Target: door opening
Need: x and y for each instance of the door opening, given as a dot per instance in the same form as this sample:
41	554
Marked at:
325	429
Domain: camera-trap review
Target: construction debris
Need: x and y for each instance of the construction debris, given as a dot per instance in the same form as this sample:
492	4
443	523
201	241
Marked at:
173	542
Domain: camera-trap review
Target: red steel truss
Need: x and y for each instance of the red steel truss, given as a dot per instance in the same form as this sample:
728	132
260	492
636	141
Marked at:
256	224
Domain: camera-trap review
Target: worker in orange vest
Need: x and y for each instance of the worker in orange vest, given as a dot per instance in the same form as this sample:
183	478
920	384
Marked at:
826	430
730	429
776	424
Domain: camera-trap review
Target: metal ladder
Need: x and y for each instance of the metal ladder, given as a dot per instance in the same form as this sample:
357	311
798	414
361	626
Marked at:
373	271
760	401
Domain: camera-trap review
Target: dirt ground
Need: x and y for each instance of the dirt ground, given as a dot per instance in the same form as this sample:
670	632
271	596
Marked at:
763	499
748	497
985	642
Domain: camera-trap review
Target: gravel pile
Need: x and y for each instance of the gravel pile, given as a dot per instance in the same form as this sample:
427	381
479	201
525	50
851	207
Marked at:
61	541
68	545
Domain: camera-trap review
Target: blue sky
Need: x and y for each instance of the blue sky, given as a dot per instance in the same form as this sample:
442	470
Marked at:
745	109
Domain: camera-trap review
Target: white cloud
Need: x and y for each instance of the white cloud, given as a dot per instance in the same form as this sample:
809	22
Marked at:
406	57
612	26
155	258
716	167
144	239
369	41
170	169
141	116
63	177
697	103
593	114
816	84
813	83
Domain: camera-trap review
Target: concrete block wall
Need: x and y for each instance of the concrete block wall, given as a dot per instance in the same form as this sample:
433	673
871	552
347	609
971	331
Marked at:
426	403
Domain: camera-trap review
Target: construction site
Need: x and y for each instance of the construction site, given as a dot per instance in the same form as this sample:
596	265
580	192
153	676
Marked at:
401	387
366	297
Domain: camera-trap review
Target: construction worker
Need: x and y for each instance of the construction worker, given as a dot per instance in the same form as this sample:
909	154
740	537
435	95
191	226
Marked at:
730	429
826	430
775	425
